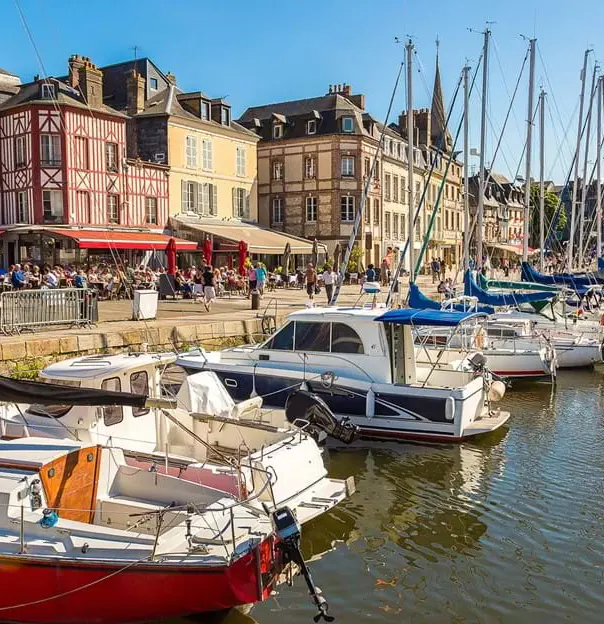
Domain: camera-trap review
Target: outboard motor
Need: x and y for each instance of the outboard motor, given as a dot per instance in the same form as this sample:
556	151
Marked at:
287	530
307	406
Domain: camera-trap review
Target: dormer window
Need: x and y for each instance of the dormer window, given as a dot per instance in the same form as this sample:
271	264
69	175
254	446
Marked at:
225	118
153	83
347	124
311	126
48	91
205	110
277	131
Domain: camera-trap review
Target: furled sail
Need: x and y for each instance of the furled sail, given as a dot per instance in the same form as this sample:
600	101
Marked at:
418	300
529	274
472	289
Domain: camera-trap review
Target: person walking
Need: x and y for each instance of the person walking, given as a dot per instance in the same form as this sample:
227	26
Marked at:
260	277
435	268
252	280
311	280
443	269
329	279
209	287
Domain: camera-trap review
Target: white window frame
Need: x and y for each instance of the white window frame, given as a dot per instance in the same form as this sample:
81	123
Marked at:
347	208
189	199
387	219
20	152
109	208
278	168
347	166
191	151
22	207
111	156
206	111
151	215
225	116
48	91
312	209
309	168
395	221
153	84
311	126
241	161
241	202
277	210
51	144
55	199
278	131
347	124
387	186
207	155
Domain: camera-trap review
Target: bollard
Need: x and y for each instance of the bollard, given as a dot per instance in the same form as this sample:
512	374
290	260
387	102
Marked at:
255	299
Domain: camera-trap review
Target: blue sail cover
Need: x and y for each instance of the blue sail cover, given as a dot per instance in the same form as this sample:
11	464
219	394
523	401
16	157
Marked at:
418	300
431	318
529	274
472	289
601	265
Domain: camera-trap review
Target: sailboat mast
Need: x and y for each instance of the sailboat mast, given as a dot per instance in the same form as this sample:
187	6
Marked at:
584	181
466	167
410	150
573	206
541	180
529	150
483	136
598	172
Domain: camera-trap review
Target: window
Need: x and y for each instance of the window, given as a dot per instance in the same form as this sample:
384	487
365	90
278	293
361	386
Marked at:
344	339
113	414
347	124
403	189
48	91
50	150
347	166
205	110
277	170
83	204
277	131
387	223
395	188
19	152
111	156
387	186
153	83
241	160
151	210
311	209
113	202
277	210
347	208
54	411
376	211
367	167
191	150
283	340
189	196
395	226
139	384
368	211
225	118
207	156
403	228
81	152
311	126
241	203
309	167
52	203
312	336
22	207
208	195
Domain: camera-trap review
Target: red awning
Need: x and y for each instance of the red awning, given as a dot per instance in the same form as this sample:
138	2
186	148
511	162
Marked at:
109	239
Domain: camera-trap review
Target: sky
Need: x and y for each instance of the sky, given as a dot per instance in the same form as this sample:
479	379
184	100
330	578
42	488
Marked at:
263	51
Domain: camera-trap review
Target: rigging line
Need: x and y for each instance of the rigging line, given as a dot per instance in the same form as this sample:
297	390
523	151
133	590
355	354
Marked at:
422	73
525	143
557	138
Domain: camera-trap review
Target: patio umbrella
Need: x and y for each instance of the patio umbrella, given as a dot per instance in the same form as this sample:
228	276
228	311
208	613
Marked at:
337	257
315	253
242	256
171	256
207	250
286	257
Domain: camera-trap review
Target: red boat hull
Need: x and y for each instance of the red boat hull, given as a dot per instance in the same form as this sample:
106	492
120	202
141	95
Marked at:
48	592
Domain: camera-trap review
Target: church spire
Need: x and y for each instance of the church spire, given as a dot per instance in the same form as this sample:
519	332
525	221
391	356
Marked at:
438	124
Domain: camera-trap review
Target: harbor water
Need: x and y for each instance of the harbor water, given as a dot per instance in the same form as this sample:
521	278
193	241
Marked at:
509	528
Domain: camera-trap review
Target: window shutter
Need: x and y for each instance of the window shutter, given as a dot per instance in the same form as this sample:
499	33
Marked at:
183	196
214	204
235	202
246	213
198	198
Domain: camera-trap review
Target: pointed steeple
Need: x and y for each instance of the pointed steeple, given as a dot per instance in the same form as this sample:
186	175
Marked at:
438	116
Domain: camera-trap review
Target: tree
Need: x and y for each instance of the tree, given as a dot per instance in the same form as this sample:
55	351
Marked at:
354	259
552	207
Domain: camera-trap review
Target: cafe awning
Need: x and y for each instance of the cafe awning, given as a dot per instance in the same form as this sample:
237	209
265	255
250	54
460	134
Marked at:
260	240
120	239
516	249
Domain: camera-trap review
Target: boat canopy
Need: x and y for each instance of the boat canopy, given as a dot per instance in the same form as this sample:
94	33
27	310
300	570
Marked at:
472	289
432	318
41	393
418	300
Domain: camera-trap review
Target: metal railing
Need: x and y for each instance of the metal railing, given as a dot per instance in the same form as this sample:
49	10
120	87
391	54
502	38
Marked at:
32	309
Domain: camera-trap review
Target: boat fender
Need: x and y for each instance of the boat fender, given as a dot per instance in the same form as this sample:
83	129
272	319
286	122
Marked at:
496	391
479	339
49	519
449	408
370	403
602	319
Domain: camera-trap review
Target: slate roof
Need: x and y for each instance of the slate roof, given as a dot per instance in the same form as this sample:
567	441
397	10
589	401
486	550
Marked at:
296	108
7	73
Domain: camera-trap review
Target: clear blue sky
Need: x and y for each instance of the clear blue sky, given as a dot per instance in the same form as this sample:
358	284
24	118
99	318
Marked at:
263	51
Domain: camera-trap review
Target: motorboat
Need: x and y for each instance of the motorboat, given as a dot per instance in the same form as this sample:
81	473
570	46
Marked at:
254	454
87	537
362	363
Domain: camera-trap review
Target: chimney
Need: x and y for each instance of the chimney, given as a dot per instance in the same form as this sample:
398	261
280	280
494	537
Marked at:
90	82
135	93
346	90
74	63
171	78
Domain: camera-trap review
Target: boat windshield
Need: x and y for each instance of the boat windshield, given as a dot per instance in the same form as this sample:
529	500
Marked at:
54	411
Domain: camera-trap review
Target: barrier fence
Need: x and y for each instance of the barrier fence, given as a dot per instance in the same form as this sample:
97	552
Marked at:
33	309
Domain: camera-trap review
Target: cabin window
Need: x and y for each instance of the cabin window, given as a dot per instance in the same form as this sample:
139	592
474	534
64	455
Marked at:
312	336
53	411
139	384
282	340
112	414
344	339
